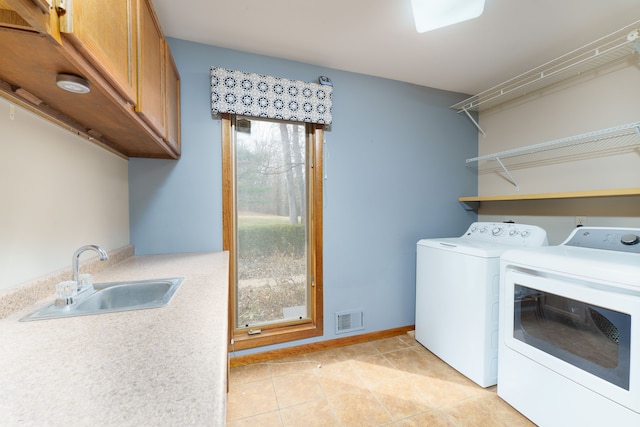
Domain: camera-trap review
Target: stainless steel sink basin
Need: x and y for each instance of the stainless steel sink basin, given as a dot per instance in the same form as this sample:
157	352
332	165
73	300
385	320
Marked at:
114	296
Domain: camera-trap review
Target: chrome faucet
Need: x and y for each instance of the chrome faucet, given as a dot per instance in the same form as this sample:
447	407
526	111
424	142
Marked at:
75	260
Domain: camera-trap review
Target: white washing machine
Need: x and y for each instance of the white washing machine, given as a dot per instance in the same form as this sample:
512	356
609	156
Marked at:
457	294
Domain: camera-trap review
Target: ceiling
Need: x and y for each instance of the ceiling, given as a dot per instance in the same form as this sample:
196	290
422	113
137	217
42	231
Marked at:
378	37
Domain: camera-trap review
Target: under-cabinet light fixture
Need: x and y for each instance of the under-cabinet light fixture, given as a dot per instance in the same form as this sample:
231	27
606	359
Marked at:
73	83
432	14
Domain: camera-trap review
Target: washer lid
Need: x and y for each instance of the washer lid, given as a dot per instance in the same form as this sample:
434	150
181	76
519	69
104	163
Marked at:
490	239
471	247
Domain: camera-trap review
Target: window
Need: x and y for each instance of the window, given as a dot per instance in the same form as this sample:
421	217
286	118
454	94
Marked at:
272	228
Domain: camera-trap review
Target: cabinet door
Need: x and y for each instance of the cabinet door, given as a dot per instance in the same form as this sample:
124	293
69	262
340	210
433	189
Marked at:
151	70
104	33
173	101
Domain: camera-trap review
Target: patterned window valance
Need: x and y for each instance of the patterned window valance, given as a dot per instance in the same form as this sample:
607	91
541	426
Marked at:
255	95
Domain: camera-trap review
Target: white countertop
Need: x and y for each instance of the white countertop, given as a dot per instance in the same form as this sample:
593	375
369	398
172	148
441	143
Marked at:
162	366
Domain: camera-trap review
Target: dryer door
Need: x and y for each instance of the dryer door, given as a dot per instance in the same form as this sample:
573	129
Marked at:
581	330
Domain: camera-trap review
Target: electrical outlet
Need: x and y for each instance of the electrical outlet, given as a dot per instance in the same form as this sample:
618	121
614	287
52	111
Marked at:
581	221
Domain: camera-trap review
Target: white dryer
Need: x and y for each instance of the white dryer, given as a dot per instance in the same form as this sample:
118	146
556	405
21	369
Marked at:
457	294
570	330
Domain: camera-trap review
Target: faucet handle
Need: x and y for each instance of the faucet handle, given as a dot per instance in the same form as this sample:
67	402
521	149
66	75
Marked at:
66	291
85	281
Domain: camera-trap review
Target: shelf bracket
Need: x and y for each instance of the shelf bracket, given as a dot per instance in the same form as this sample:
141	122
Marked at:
470	206
633	38
474	121
506	171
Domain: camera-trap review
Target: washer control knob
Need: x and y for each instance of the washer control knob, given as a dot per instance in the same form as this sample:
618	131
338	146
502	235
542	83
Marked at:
525	234
483	230
496	231
513	233
474	229
630	239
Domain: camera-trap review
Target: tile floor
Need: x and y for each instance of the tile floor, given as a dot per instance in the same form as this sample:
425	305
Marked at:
389	382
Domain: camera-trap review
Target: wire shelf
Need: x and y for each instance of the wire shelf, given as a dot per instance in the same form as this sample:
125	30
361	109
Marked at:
612	138
610	141
608	49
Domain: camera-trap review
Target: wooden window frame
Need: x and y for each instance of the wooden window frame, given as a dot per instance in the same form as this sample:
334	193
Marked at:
239	339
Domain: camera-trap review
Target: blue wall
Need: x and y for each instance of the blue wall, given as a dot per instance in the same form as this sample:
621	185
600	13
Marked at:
394	164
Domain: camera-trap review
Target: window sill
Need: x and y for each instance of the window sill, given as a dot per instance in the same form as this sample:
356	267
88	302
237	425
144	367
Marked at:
243	341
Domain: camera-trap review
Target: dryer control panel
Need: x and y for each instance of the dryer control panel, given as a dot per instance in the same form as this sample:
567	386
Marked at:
607	238
506	233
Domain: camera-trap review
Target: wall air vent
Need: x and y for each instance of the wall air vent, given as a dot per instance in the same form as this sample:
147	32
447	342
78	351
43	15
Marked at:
347	321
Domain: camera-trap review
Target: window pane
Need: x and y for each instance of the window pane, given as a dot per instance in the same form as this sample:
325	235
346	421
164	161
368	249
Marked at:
272	266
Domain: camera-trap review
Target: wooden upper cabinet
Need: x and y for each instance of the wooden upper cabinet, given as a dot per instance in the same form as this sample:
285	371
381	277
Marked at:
133	107
173	100
151	70
104	32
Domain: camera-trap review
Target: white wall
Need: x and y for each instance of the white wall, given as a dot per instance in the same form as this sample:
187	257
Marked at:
596	102
58	192
600	99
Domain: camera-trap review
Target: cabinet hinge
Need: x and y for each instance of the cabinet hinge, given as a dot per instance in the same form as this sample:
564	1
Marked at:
64	11
61	7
